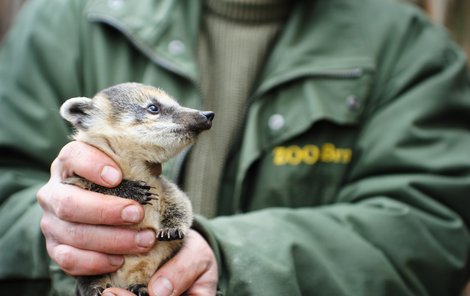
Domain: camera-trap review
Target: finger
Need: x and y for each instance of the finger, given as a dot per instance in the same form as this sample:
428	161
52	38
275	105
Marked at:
98	238
117	292
196	274
73	204
88	162
205	284
83	262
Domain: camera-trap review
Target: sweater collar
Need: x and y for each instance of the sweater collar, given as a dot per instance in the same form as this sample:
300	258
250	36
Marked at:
251	10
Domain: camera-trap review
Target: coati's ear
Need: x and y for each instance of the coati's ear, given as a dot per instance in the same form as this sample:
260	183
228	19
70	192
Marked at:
77	111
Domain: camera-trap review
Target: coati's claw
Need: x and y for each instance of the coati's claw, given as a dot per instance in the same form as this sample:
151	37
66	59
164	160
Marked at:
98	291
135	190
138	289
149	197
138	191
169	234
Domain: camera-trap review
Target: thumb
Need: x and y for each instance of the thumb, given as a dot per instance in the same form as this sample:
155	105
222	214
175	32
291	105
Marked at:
193	270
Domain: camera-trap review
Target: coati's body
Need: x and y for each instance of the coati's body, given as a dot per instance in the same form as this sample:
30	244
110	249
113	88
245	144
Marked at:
140	127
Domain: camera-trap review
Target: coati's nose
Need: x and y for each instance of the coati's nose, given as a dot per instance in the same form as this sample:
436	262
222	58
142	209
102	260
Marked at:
202	121
208	114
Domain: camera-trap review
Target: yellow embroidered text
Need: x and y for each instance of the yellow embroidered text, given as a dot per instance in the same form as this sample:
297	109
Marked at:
311	154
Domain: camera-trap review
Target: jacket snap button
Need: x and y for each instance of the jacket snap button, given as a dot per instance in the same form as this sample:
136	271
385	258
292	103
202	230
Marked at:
115	4
176	47
276	122
353	102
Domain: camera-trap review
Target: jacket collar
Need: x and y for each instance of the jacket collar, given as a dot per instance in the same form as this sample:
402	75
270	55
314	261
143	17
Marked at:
310	44
148	25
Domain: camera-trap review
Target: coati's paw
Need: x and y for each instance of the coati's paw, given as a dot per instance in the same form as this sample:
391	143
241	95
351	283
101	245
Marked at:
138	191
169	234
97	291
138	289
91	285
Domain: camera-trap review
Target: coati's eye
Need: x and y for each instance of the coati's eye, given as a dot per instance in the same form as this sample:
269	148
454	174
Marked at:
154	109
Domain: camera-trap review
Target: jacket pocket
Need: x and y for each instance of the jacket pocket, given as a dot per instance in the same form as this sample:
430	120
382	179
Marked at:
300	139
334	95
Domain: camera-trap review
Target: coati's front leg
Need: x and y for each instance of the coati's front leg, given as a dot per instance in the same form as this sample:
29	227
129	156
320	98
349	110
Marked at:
176	213
135	190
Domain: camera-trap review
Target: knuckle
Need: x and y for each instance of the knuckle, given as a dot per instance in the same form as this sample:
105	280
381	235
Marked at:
64	208
67	150
63	256
63	162
56	165
61	165
79	262
45	226
64	154
51	229
41	196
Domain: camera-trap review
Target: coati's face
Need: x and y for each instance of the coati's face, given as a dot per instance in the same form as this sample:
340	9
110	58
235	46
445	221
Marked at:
136	117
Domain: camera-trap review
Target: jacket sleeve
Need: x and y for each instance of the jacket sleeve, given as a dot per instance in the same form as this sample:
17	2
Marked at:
38	68
399	224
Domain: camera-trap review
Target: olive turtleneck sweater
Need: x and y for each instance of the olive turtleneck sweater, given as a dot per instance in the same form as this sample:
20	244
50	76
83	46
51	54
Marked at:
235	39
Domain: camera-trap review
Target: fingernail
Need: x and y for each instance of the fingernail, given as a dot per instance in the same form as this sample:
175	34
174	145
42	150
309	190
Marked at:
115	260
145	238
108	294
162	287
110	175
131	214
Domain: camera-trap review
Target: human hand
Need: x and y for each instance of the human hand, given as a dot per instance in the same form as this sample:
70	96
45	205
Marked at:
82	228
193	271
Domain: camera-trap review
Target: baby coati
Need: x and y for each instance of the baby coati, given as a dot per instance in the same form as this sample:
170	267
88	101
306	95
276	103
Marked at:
140	127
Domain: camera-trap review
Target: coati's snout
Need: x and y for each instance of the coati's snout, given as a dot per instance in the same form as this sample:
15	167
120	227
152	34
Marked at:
206	121
209	115
201	121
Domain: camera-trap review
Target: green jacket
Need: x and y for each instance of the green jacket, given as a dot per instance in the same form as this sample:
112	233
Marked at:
351	175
